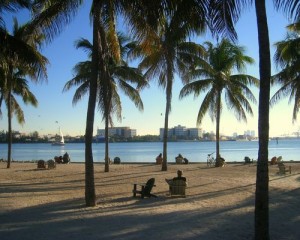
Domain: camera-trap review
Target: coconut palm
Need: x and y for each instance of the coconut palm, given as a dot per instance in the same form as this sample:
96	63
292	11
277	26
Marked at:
122	77
287	57
165	52
214	76
225	12
13	81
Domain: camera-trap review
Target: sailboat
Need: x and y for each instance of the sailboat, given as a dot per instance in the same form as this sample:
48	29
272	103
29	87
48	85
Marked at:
62	140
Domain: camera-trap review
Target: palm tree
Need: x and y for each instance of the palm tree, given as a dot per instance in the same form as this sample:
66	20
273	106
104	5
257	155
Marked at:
287	57
13	82
166	52
122	77
224	12
214	75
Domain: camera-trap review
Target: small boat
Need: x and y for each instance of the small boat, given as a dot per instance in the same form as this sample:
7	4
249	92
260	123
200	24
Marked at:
62	140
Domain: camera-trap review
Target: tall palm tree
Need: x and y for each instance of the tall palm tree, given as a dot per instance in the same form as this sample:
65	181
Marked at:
13	71
122	77
165	52
224	12
287	57
214	75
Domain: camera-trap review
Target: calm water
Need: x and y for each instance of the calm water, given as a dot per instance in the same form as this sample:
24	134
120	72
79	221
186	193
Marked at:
147	152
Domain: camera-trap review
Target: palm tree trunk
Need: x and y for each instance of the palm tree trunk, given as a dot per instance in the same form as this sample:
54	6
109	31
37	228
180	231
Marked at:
262	176
9	116
166	127
165	138
218	115
106	144
106	81
90	195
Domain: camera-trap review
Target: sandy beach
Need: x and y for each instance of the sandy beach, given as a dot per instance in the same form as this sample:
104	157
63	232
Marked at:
49	204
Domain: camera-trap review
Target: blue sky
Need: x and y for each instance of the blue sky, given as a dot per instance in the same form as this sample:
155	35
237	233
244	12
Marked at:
55	108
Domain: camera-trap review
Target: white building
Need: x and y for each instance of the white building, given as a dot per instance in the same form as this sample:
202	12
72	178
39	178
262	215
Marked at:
181	132
118	131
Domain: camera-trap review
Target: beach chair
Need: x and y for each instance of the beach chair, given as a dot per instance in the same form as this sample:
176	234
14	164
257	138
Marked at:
41	164
248	160
279	159
284	169
51	164
145	188
117	160
177	188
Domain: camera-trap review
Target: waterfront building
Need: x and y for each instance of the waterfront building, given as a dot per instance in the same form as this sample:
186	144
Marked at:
249	133
182	132
125	132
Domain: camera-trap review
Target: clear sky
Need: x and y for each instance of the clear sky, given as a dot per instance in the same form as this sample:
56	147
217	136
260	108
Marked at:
55	108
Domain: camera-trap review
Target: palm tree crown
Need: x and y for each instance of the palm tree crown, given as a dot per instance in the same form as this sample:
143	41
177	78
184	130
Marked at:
287	57
214	75
122	76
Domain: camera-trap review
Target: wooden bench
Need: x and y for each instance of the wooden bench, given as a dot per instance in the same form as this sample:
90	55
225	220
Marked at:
283	169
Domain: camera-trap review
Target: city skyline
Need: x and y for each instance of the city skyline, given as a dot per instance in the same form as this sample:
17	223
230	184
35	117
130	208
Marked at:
55	108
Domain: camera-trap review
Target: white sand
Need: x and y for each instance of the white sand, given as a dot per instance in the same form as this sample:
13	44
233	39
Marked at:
49	204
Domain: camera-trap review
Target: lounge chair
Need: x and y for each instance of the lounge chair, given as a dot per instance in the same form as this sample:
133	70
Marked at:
51	164
177	188
145	189
283	169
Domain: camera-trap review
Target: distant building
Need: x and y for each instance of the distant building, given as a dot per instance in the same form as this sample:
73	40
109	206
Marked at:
249	133
125	132
181	132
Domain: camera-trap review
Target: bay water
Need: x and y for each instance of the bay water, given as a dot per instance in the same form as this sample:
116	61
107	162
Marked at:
194	151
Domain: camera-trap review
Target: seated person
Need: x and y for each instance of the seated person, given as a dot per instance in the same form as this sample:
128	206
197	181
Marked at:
159	159
179	158
66	158
179	177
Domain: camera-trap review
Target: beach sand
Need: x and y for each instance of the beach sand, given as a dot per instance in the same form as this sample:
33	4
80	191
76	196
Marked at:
49	204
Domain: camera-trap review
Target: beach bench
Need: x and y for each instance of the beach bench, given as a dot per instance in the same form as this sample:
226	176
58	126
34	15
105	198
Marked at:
146	188
283	169
177	188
